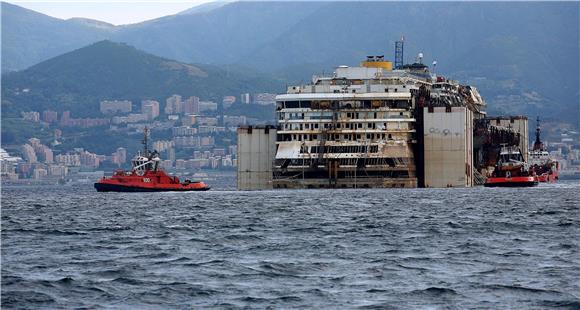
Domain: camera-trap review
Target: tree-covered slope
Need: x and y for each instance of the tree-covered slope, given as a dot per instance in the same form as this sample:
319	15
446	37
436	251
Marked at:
78	80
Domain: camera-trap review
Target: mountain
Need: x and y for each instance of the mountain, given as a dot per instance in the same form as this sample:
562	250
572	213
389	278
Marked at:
29	37
523	56
476	42
92	23
205	7
225	35
79	80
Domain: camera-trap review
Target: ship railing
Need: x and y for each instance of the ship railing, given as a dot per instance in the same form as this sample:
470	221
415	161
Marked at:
478	178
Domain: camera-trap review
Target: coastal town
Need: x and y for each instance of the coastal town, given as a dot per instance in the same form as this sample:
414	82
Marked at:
190	147
192	136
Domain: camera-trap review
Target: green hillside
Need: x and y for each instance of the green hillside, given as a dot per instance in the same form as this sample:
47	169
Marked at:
79	80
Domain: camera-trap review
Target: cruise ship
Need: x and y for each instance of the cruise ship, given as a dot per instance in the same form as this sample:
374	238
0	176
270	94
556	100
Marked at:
379	124
361	127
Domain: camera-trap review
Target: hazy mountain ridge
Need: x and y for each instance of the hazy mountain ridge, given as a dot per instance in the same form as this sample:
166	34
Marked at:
78	80
93	23
511	51
29	37
222	36
205	7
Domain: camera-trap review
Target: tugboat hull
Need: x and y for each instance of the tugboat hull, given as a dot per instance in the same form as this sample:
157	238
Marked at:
548	178
512	182
107	187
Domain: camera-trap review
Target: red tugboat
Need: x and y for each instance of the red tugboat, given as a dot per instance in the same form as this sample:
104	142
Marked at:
511	170
543	166
146	176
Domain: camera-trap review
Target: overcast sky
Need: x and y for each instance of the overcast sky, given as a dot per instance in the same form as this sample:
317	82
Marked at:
111	11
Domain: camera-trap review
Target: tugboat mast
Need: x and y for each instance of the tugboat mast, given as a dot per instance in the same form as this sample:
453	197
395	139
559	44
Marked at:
538	145
145	146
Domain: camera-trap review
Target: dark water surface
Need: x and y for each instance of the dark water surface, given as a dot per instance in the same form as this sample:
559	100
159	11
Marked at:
401	248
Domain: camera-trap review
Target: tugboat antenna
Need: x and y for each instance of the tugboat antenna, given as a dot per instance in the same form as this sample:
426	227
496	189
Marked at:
145	146
538	145
538	130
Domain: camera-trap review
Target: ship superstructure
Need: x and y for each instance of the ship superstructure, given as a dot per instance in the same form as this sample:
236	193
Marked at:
361	126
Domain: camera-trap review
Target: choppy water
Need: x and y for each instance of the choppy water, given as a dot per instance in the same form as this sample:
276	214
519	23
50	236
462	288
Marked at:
435	248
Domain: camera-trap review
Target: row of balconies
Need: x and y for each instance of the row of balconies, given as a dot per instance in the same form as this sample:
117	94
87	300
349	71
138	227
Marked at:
346	137
352	125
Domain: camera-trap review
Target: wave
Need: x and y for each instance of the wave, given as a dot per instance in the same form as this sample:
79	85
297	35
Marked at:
435	291
54	232
517	288
21	298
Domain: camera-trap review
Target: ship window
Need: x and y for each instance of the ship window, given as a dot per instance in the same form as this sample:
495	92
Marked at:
368	135
300	126
395	90
359	125
386	90
390	137
316	126
314	137
292	104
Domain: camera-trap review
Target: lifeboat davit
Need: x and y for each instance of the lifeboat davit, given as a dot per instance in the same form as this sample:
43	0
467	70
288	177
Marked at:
146	176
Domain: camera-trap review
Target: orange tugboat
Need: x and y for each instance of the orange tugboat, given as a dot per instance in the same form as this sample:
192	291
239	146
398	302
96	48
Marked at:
541	164
511	170
146	176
